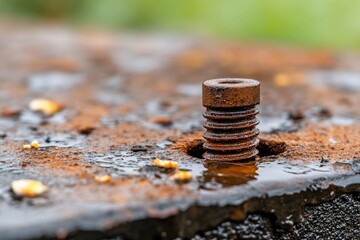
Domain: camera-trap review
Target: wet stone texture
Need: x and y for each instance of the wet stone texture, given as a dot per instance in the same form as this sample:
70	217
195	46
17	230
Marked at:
131	98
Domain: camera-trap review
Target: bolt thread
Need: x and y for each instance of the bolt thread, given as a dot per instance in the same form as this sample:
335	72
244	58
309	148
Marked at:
231	133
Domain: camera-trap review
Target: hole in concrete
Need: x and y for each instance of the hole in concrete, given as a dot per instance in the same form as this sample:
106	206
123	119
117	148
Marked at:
195	148
266	148
270	147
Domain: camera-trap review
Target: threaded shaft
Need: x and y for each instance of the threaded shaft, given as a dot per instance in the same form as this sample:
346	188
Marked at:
231	133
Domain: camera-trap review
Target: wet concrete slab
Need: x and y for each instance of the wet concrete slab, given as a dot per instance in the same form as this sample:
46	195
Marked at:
129	99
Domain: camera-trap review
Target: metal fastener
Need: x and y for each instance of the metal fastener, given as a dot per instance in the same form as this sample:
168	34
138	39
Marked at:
231	119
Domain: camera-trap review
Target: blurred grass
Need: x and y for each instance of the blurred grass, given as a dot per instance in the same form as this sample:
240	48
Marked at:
317	23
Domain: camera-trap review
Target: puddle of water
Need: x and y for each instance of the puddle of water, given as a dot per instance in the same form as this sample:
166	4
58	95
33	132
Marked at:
62	116
113	83
6	124
34	118
194	121
191	90
282	171
341	120
111	98
282	123
233	174
9	166
226	174
213	175
121	163
345	80
54	81
163	144
29	117
276	124
137	63
62	140
158	107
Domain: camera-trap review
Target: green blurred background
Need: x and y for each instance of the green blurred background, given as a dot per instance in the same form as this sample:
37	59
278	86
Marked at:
315	23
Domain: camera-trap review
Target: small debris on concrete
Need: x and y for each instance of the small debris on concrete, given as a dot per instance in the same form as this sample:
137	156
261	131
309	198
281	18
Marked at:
181	176
45	106
27	147
268	147
165	163
35	144
162	120
10	112
103	179
86	130
296	115
28	188
139	148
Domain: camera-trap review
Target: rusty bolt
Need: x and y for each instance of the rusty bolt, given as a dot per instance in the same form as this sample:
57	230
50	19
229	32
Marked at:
231	133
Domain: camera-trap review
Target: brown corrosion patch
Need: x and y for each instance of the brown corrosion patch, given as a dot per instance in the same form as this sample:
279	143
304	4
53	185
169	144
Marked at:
317	142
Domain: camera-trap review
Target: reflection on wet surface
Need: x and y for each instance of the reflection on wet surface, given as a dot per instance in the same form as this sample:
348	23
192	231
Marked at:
228	174
233	174
63	140
345	80
9	166
54	81
215	175
121	163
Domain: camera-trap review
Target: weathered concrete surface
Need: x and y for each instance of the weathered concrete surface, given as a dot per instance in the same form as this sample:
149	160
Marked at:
337	219
128	99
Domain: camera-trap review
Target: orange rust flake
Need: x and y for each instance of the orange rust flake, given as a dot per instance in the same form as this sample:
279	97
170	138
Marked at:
103	179
165	163
45	106
27	147
10	112
181	176
284	80
35	144
162	120
28	188
319	141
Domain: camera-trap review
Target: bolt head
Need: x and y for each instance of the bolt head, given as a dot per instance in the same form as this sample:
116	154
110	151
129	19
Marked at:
230	92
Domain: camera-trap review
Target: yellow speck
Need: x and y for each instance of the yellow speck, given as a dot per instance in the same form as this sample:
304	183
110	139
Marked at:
27	147
282	80
35	144
103	179
181	176
45	106
165	163
28	188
